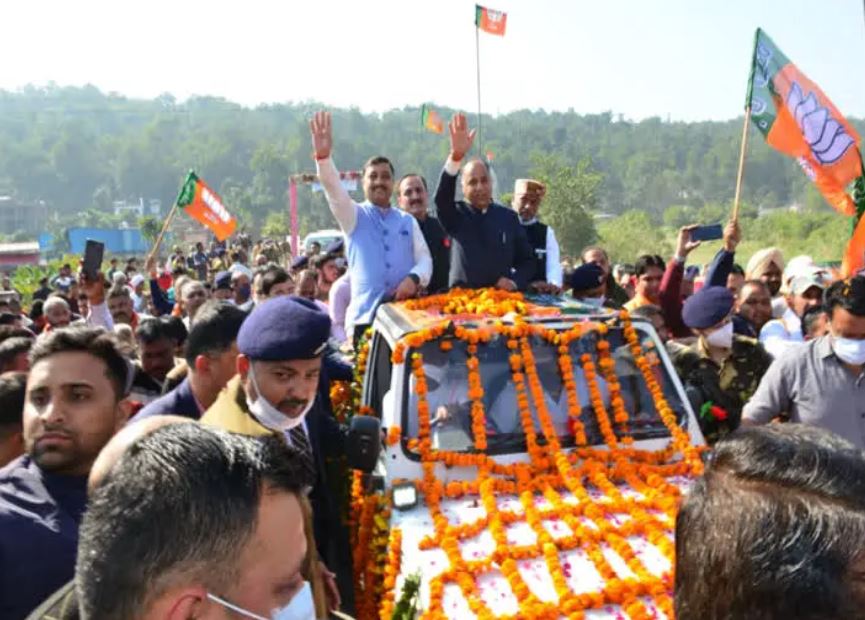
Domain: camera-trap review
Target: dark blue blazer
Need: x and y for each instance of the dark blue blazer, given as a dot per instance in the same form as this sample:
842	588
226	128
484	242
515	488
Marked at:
178	401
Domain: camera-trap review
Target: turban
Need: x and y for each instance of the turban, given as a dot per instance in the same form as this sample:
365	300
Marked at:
759	263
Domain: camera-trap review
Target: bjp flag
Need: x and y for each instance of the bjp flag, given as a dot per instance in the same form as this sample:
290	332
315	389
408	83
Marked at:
431	120
796	118
490	20
201	203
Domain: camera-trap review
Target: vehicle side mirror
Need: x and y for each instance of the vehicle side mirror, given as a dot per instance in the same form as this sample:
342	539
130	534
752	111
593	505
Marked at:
364	443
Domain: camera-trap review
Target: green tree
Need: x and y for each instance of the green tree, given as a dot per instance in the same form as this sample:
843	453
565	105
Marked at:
149	228
572	192
632	234
276	225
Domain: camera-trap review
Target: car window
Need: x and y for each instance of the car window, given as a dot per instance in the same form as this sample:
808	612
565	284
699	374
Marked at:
447	379
379	373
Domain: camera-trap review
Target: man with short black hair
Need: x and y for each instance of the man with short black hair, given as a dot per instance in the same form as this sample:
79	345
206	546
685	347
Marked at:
43	291
387	254
12	388
822	382
413	198
774	529
328	272
75	402
223	536
156	346
211	352
815	323
121	307
14	354
275	282
489	247
753	308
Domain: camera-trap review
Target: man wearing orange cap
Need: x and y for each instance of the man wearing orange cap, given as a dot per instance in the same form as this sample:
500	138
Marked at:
547	276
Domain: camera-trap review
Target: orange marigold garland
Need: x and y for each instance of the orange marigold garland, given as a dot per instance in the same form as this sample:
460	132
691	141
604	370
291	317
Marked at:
597	526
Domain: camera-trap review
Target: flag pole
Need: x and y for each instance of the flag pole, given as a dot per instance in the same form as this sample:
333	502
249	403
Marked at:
478	64
735	216
155	249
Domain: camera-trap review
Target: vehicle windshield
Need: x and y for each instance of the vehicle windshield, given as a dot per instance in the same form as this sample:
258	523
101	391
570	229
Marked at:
449	404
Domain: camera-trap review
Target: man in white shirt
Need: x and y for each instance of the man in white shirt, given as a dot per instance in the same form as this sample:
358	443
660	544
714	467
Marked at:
781	335
547	277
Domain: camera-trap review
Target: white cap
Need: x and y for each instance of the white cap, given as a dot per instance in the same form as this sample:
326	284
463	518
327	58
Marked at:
136	280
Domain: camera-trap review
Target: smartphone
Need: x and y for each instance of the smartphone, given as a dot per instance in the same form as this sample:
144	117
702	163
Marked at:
707	233
93	253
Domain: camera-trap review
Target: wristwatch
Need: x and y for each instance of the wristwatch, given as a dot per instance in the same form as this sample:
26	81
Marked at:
415	278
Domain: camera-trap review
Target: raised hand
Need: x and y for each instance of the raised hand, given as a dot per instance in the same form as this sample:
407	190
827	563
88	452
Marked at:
322	135
460	136
684	245
732	235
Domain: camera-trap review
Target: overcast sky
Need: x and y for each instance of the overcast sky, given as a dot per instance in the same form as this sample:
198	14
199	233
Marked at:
683	59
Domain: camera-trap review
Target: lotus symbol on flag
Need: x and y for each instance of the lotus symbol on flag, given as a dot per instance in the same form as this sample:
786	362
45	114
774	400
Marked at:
825	135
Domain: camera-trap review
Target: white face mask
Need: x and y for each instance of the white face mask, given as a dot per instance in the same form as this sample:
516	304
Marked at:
849	350
595	302
270	416
300	607
721	337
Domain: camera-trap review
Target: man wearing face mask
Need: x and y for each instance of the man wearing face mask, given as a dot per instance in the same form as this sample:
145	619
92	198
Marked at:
723	367
528	195
588	283
280	348
822	382
223	538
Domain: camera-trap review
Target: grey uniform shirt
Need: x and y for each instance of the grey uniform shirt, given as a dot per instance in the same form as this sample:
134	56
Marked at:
814	387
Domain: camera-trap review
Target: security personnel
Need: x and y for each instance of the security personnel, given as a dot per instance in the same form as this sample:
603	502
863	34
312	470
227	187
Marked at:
280	348
588	283
489	247
723	367
528	195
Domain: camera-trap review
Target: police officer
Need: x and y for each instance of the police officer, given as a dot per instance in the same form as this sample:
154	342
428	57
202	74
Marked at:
724	368
528	195
280	348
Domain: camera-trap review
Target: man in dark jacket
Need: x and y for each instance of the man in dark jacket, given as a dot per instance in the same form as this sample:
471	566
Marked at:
488	245
280	348
413	198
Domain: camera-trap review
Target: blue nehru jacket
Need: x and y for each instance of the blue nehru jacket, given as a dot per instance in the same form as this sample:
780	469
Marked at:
380	256
39	518
284	328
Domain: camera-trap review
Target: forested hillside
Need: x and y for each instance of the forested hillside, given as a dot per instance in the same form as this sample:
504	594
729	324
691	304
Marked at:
79	149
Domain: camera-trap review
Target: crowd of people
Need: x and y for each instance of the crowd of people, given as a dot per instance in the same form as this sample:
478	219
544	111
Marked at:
165	427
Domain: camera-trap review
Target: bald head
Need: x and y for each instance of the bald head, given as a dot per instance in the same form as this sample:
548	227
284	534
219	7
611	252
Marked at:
477	184
117	446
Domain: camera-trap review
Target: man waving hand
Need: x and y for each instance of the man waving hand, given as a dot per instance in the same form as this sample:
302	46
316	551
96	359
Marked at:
489	247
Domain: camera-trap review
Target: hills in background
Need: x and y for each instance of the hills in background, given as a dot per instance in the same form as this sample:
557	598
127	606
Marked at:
79	150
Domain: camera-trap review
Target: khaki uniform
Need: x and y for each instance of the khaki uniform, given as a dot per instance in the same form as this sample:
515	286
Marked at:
727	386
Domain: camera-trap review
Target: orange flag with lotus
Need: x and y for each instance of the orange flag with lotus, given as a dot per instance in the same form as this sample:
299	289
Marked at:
797	119
201	203
490	20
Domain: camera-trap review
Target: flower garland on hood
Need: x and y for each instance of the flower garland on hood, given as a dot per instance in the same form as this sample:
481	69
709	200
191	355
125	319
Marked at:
597	527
